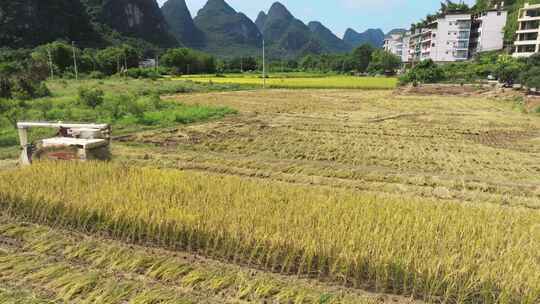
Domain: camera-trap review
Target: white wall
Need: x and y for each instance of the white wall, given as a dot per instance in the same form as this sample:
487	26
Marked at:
492	31
446	40
405	54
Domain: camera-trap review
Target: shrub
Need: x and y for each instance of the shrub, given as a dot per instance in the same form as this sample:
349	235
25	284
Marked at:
8	138
533	81
508	69
383	62
424	72
5	87
68	75
26	88
91	97
143	73
96	75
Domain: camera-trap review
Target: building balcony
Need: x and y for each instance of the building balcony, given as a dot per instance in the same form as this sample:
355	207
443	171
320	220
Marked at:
528	18
528	31
526	42
523	54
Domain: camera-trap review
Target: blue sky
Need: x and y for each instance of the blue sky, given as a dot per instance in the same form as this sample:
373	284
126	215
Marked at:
338	15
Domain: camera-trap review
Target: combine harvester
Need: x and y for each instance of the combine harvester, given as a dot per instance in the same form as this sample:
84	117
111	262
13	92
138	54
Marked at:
73	141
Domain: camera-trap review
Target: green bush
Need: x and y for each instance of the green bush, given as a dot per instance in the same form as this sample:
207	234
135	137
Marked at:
157	118
91	97
26	88
530	76
96	75
143	73
383	63
8	138
508	69
424	72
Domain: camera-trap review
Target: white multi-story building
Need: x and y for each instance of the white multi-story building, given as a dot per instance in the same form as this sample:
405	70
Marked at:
398	44
444	40
394	44
528	39
487	31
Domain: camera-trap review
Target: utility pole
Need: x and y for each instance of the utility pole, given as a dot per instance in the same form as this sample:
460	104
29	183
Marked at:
50	62
264	66
75	61
125	65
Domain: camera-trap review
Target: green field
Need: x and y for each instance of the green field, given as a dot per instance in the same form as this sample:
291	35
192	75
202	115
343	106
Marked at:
301	81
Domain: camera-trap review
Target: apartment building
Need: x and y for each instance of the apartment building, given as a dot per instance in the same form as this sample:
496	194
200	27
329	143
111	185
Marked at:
398	44
528	39
487	31
446	39
459	35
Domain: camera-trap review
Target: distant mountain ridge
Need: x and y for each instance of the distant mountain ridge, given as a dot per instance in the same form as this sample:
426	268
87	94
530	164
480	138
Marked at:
329	41
181	23
286	35
374	37
138	18
226	31
88	23
217	28
27	23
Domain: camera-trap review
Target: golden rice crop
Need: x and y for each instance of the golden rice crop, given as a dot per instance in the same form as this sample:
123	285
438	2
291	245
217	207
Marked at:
445	251
330	82
198	279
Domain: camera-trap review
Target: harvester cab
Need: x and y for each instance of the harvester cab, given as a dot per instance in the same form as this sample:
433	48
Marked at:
73	141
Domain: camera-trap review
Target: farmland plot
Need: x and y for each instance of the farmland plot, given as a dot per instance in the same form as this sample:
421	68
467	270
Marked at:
428	197
465	148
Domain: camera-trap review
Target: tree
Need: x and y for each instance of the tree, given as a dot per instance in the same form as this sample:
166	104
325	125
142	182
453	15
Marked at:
59	52
508	69
424	72
308	62
91	97
187	61
113	59
361	57
383	62
530	76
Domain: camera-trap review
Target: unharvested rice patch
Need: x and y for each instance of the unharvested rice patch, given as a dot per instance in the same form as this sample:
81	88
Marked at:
201	280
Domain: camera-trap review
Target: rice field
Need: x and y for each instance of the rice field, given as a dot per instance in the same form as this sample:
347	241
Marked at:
299	82
442	251
305	196
43	265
